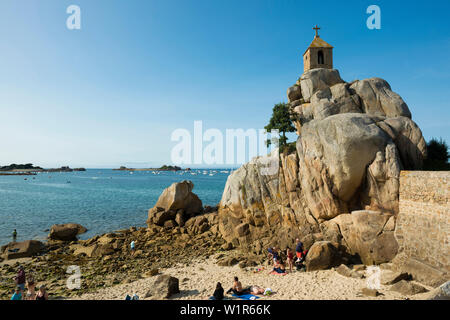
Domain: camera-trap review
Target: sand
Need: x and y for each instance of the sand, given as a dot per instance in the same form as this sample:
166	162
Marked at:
198	281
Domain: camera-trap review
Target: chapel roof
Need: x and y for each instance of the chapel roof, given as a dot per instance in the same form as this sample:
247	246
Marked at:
318	42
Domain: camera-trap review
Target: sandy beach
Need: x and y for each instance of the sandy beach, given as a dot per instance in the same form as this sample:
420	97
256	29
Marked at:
198	280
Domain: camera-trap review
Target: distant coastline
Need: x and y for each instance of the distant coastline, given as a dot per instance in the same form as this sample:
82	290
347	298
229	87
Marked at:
163	168
29	169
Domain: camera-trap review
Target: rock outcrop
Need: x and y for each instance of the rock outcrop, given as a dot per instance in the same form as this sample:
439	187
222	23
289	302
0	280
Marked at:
408	288
322	255
24	249
66	232
175	205
341	184
347	272
368	234
440	293
108	260
390	277
164	287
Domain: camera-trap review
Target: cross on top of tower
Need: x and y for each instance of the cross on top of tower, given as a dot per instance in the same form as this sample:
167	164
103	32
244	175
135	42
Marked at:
316	28
319	54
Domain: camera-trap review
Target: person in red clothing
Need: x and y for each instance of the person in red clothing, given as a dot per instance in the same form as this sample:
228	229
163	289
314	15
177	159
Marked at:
290	258
300	251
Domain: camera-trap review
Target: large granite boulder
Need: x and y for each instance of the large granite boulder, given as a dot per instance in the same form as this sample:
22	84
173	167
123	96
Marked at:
364	233
163	288
255	204
333	100
353	141
408	139
322	255
66	232
176	203
334	154
378	99
24	249
318	79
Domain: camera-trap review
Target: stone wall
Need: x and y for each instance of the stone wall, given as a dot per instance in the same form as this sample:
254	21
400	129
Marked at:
423	223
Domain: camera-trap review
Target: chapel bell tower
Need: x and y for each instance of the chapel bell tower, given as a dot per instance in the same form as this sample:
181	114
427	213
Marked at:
318	55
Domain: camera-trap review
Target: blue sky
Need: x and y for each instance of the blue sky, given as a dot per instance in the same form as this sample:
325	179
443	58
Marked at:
112	93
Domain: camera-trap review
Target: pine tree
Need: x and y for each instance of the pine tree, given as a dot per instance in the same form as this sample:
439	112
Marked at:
281	120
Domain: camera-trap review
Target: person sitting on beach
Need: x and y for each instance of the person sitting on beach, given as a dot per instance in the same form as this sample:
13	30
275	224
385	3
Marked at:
31	292
290	258
237	287
42	293
17	294
279	267
20	278
218	293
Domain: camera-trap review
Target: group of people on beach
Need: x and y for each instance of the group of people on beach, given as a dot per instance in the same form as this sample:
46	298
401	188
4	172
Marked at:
278	265
23	282
278	268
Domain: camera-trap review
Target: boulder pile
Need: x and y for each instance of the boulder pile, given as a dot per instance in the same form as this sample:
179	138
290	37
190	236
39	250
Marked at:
342	183
108	259
175	206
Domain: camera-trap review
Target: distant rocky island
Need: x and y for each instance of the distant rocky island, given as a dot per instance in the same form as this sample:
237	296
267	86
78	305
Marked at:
29	169
20	167
163	168
64	169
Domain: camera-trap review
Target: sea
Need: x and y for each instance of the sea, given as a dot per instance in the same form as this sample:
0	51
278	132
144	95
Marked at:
102	200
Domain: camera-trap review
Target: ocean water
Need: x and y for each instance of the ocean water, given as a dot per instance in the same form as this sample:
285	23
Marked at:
102	200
